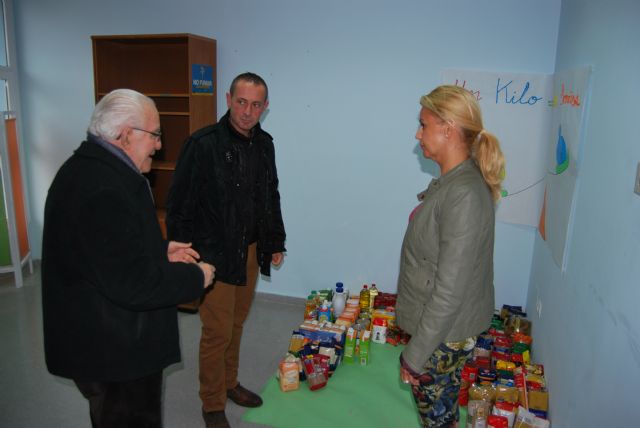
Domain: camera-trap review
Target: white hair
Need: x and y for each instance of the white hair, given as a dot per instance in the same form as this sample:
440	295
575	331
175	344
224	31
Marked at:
117	109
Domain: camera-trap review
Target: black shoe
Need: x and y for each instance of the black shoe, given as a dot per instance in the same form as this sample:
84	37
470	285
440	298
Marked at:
243	397
215	419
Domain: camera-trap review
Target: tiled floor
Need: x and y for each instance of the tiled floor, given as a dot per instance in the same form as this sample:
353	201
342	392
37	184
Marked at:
31	397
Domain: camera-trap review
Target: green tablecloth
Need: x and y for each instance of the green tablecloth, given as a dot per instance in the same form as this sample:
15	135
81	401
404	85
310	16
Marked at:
355	396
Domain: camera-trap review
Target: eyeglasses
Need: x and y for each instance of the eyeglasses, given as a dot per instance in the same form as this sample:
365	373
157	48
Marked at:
156	135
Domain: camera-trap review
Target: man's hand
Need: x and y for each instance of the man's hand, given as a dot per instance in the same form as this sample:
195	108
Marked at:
182	252
276	259
208	271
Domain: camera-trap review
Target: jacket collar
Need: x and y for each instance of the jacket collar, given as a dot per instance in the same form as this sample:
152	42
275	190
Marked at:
256	132
456	170
90	149
114	150
450	175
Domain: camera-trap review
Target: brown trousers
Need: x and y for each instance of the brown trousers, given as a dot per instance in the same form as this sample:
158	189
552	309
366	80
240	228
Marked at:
223	312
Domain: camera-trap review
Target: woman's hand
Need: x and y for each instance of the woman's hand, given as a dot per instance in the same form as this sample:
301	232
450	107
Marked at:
406	377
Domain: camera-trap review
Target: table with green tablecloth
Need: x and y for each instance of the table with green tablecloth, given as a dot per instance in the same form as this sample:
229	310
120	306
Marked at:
355	396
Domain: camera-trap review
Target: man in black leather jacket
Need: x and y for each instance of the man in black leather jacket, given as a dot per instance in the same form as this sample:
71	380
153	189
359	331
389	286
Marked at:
224	199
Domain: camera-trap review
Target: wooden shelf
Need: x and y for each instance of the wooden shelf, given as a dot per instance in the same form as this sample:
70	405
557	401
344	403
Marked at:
102	94
167	95
162	219
173	113
163	67
163	165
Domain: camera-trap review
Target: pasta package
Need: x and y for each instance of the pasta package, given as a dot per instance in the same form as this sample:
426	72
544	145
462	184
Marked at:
289	374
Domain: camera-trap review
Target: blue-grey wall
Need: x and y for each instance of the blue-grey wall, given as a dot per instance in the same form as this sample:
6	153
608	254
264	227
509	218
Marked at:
588	332
345	78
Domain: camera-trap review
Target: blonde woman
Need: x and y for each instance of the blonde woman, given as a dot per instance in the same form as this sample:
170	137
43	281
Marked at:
445	285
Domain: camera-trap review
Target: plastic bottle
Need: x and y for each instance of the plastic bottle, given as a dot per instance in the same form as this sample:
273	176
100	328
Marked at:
373	292
324	312
339	299
310	308
480	418
316	298
364	299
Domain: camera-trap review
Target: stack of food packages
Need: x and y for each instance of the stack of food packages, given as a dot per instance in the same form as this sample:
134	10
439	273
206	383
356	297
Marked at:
323	341
500	386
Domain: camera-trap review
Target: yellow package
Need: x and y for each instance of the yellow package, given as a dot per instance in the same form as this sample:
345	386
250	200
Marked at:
344	321
505	365
484	392
538	400
507	393
389	316
296	343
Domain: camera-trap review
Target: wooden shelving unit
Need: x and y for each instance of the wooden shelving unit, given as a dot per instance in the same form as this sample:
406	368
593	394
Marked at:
175	71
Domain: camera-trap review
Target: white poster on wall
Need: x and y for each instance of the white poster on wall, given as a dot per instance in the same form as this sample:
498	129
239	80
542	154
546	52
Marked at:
570	91
515	108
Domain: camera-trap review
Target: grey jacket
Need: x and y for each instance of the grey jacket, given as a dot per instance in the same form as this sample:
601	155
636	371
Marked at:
445	286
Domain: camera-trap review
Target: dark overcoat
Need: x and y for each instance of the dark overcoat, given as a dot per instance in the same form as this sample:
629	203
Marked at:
109	292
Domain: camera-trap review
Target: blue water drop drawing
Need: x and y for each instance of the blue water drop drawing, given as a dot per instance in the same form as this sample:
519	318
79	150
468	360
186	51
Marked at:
562	154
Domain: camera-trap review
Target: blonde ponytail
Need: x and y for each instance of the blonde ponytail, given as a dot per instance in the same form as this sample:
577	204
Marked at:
486	152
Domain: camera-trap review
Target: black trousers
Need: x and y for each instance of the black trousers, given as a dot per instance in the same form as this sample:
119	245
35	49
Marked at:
130	404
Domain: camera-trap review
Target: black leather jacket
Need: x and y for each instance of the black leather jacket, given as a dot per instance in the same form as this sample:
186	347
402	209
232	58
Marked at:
206	198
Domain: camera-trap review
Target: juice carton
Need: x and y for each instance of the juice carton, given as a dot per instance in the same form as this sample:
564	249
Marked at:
364	347
349	346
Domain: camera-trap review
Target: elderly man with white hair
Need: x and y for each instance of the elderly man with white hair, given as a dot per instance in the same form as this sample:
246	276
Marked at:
110	282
